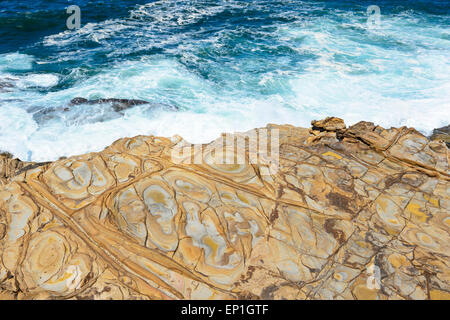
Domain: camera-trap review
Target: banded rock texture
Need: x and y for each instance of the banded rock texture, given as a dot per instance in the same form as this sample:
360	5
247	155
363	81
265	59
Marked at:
129	223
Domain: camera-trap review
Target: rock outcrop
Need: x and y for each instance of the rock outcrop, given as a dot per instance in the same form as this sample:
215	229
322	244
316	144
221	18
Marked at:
118	104
351	213
442	134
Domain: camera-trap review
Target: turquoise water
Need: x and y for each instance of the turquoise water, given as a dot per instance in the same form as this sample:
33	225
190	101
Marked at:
224	65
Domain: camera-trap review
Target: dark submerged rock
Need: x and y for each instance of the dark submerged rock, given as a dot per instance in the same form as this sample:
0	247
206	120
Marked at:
117	104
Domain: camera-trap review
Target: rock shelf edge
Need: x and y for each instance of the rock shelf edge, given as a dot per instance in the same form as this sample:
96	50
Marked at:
359	212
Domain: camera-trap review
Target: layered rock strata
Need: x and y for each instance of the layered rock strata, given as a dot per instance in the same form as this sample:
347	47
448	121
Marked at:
351	213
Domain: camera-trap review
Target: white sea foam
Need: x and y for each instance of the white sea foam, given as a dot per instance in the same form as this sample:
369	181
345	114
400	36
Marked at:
97	32
206	111
38	80
172	13
16	131
15	61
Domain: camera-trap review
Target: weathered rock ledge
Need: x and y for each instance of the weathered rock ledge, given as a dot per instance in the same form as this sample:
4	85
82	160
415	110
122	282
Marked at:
347	206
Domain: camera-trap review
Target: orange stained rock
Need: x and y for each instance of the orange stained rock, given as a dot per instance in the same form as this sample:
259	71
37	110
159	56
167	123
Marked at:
350	213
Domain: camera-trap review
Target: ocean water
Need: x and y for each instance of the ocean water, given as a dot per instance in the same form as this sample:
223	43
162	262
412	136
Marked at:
208	67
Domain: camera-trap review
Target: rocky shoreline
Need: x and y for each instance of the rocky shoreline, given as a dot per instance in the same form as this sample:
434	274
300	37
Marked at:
352	213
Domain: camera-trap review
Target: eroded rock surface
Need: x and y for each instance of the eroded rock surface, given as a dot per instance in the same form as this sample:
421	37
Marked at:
347	205
442	134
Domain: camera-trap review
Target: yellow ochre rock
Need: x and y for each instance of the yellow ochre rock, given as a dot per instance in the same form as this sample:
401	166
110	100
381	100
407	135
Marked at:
348	213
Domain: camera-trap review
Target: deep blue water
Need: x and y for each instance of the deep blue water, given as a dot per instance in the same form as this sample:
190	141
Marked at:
225	65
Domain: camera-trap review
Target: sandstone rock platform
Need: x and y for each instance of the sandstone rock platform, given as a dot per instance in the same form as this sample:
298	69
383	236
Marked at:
352	213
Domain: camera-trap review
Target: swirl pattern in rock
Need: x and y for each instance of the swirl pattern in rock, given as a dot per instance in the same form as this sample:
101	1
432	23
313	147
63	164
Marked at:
346	205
